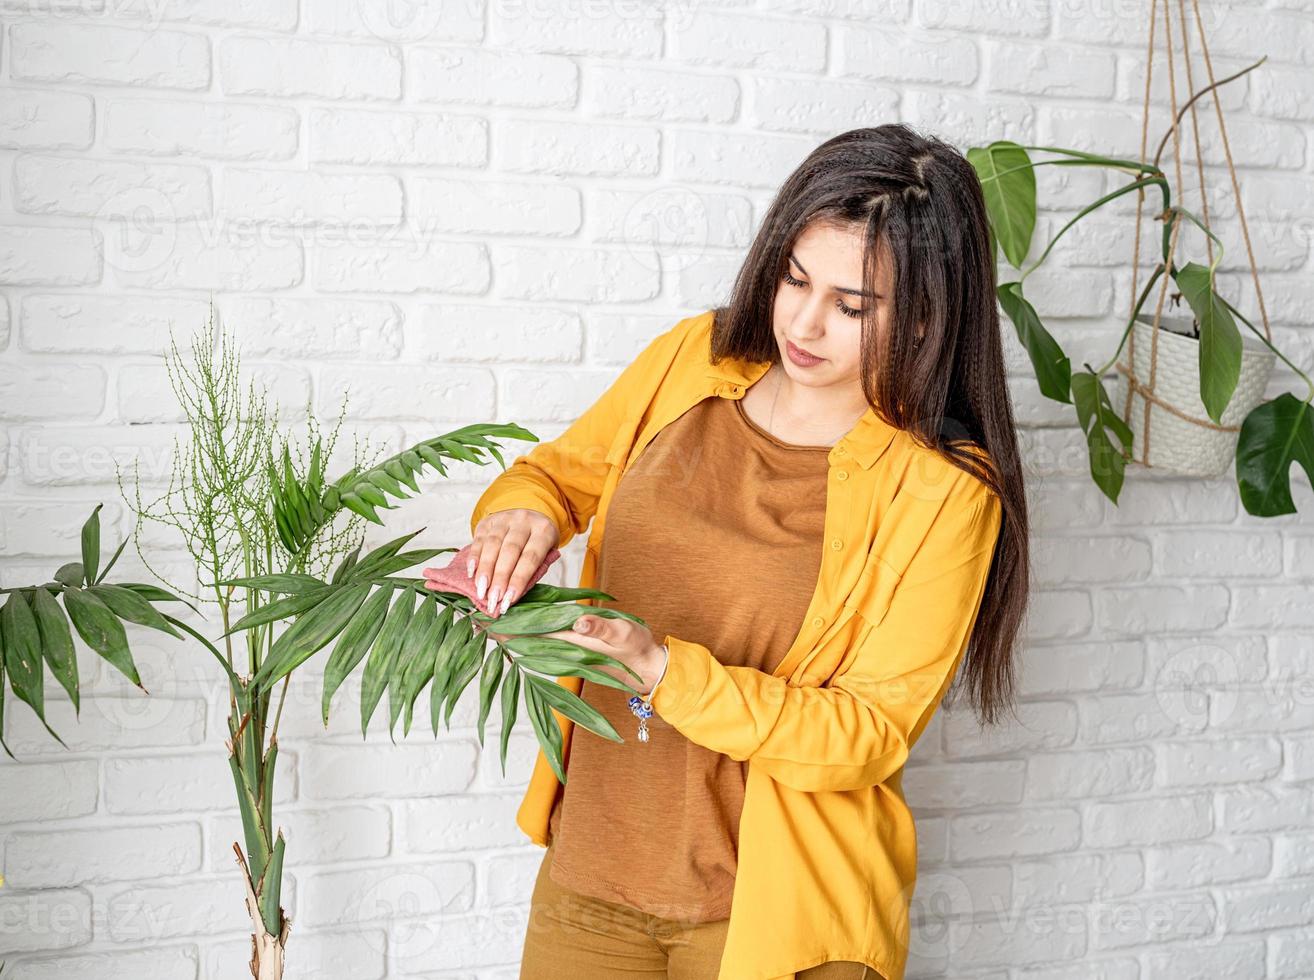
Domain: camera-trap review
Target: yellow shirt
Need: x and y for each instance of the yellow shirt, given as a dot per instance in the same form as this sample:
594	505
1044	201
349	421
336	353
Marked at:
827	844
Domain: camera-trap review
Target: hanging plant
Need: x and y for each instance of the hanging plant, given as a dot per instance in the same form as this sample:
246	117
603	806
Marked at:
1273	435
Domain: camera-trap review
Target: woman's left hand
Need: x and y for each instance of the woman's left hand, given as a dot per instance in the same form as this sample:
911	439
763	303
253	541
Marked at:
633	645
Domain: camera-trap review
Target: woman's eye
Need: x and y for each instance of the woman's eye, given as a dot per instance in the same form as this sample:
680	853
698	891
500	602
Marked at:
846	310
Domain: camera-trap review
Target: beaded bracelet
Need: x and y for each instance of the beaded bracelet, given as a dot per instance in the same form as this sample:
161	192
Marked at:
642	706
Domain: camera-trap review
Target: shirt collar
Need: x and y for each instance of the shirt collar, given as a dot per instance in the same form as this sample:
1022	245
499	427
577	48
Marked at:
866	441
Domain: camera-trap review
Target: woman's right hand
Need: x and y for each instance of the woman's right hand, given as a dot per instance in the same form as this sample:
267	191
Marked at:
509	545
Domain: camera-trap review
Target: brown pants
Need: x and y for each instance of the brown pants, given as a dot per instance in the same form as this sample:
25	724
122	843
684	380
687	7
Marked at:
586	938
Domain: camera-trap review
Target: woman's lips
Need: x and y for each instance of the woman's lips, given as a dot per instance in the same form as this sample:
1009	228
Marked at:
801	357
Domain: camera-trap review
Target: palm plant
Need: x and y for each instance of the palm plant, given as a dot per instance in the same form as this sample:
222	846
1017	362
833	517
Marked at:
279	546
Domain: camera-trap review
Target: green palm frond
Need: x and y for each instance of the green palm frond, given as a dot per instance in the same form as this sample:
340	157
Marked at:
304	505
409	637
36	632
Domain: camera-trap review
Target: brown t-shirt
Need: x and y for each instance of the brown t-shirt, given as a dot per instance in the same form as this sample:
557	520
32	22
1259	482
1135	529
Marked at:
713	535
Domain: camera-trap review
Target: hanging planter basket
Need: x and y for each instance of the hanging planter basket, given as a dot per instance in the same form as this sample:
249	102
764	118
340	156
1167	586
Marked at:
1188	395
1176	433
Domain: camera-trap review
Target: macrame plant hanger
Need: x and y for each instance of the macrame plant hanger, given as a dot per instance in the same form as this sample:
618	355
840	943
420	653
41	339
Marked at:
1146	389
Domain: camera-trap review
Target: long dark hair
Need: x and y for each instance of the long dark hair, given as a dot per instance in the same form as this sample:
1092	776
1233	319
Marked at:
918	199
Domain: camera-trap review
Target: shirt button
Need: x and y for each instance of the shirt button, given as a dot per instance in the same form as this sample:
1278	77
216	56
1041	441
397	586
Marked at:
836	544
817	621
839	450
842	475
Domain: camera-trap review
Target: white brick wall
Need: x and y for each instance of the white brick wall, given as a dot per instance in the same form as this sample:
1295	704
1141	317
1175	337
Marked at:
482	211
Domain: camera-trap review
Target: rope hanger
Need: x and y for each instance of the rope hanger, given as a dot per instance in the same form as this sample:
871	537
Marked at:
1134	384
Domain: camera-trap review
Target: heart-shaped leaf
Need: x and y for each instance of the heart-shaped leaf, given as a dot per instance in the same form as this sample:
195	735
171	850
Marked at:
1008	184
1095	412
1274	435
1053	370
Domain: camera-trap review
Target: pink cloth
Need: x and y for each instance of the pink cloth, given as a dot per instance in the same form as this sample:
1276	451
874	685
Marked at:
452	577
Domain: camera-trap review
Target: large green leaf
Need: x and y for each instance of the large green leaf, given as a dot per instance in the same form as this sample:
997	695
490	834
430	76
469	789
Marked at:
1220	340
91	545
546	592
311	633
447	664
469	664
1053	370
57	643
489	679
285	608
353	643
406	559
530	617
414	664
355	504
578	710
5	745
1095	411
1010	197
101	630
544	723
550	649
130	605
421	670
22	646
378	668
510	699
563	667
375	559
153	593
286	583
534	617
1274	435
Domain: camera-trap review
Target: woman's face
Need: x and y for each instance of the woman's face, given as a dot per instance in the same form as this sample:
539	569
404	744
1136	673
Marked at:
819	306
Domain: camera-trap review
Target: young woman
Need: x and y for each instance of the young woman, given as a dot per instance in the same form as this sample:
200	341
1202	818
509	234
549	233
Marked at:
813	497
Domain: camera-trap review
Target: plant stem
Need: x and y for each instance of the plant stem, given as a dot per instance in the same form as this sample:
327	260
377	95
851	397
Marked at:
1193	99
1145	293
1091	207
